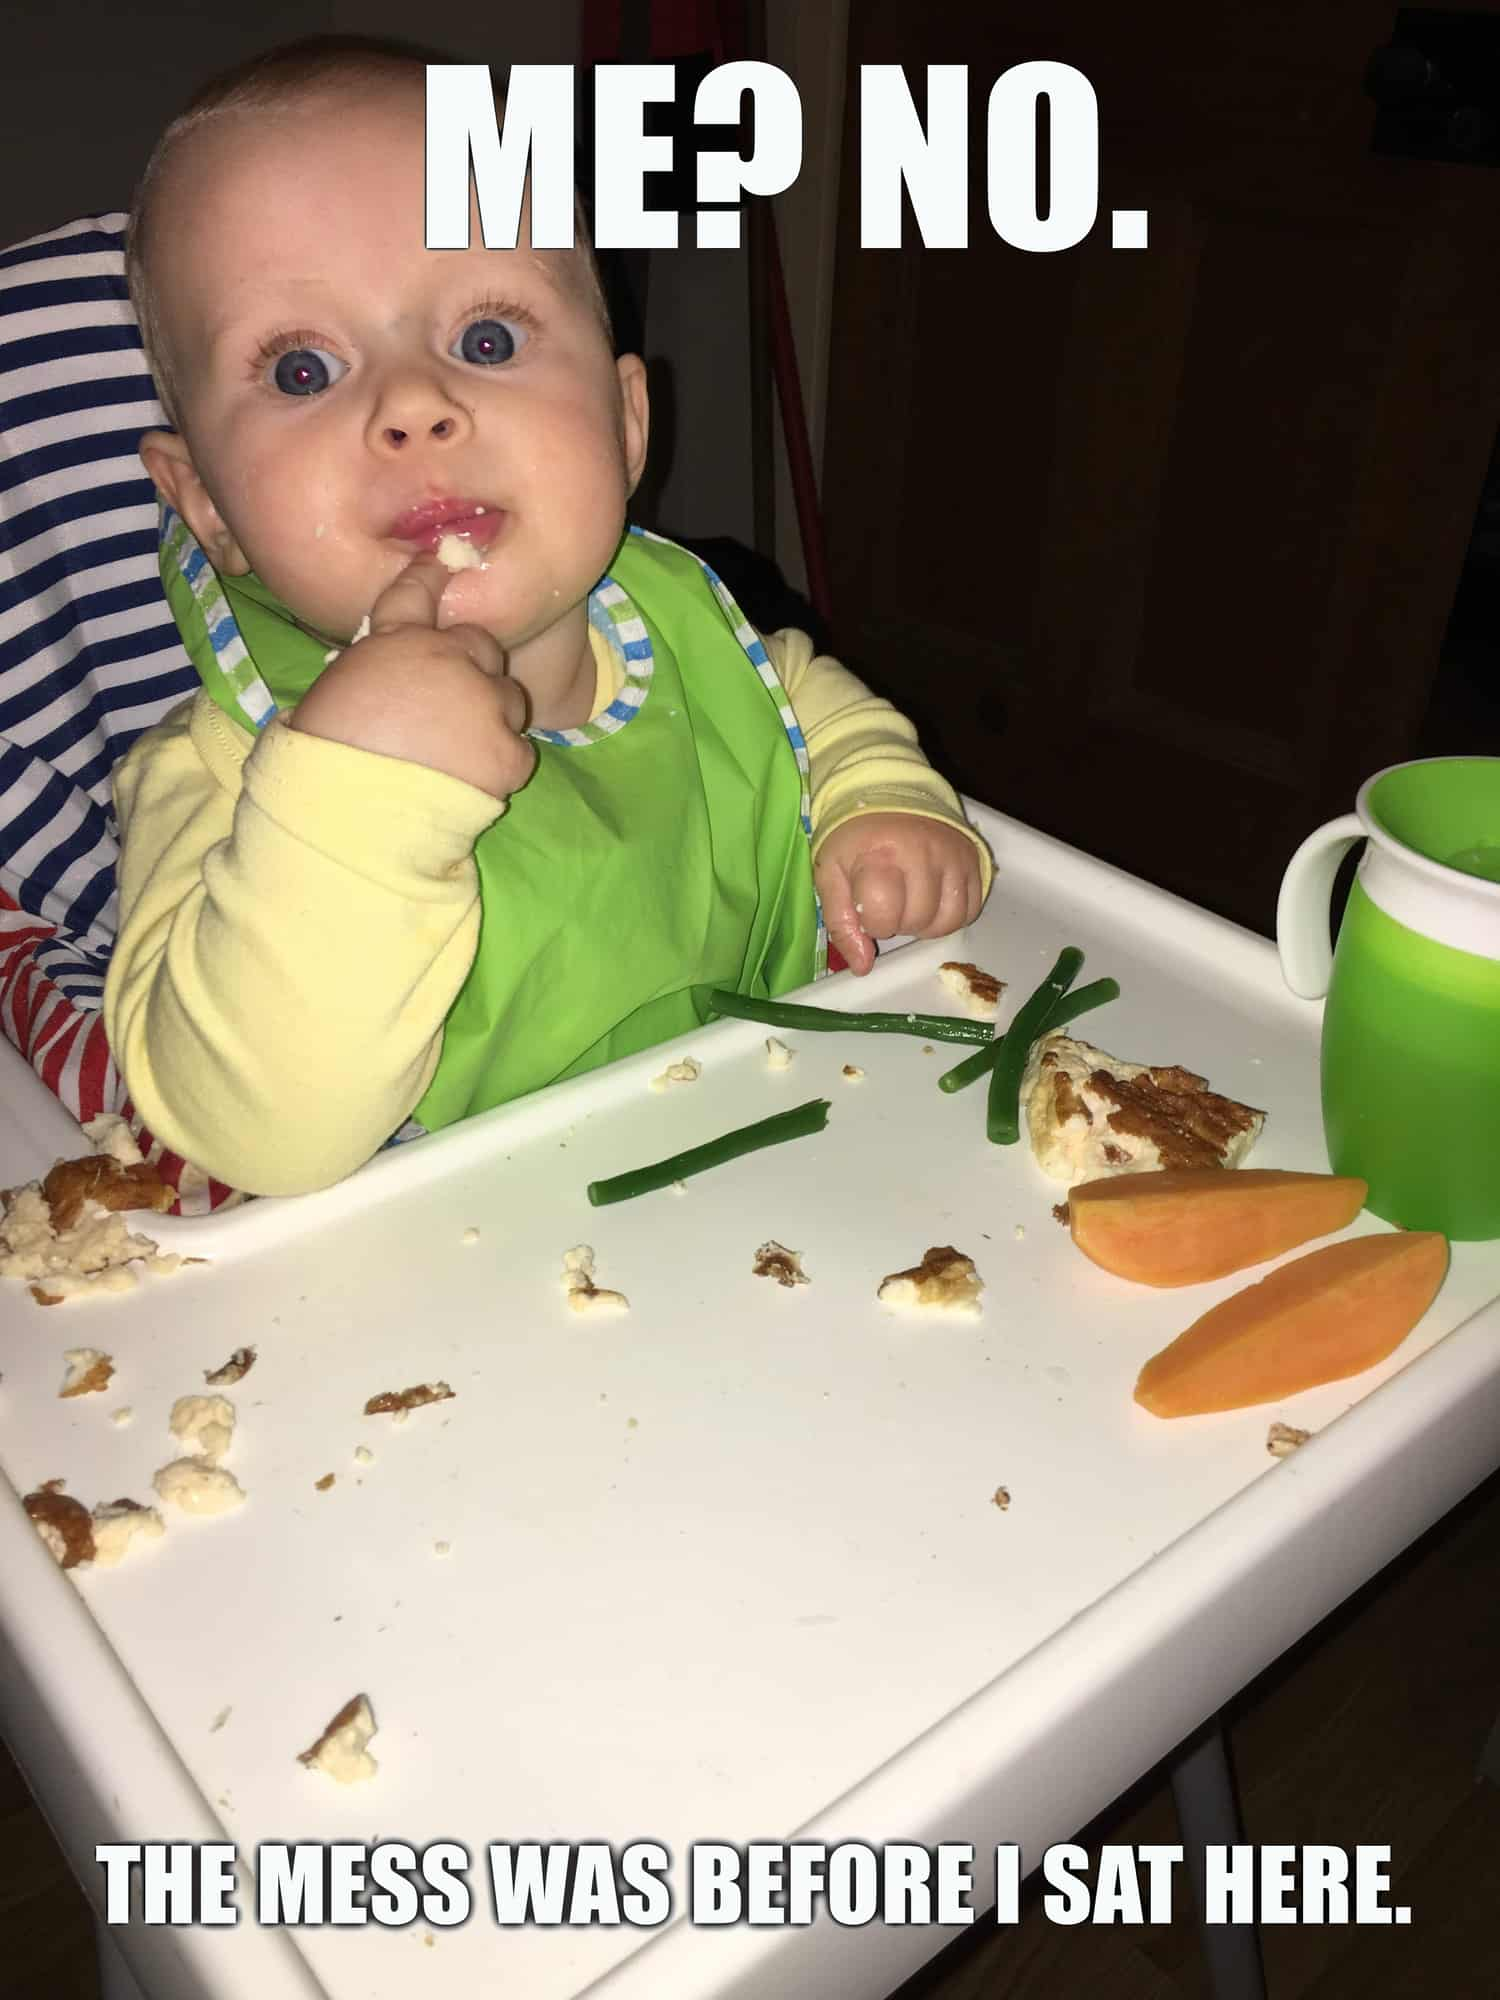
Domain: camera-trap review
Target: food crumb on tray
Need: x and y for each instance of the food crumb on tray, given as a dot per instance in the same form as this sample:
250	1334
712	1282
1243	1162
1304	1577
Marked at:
203	1425
397	1402
88	1371
852	1073
945	1281
584	1296
774	1260
119	1525
342	1751
63	1234
198	1486
322	1485
977	992
235	1369
778	1055
1002	1498
1283	1439
64	1524
687	1071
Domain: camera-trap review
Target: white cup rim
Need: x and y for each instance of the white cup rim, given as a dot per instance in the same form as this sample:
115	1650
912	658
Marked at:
1437	872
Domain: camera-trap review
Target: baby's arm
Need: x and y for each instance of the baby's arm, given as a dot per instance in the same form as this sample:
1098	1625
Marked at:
889	834
296	919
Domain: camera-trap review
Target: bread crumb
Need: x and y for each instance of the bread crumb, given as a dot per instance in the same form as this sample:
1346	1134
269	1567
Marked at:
1283	1439
778	1055
88	1371
235	1369
469	1237
342	1751
64	1524
1020	1232
1002	1498
397	1402
204	1425
322	1485
122	1416
774	1260
363	1455
198	1486
852	1073
945	1281
584	1296
119	1525
686	1071
977	992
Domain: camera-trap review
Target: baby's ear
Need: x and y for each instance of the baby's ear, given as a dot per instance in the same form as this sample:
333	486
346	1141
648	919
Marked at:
172	472
635	415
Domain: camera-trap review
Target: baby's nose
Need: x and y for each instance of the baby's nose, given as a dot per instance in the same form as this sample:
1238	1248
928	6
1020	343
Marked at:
396	437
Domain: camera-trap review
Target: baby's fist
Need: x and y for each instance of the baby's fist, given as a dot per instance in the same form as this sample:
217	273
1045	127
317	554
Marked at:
895	874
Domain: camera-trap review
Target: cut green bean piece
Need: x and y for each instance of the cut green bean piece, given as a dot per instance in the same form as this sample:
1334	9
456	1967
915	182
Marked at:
828	1020
798	1123
1097	994
1003	1117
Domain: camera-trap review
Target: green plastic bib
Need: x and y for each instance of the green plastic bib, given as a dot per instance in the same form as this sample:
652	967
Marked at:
654	855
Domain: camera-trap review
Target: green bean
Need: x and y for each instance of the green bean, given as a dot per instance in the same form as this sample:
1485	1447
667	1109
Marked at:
798	1123
1003	1117
973	1067
825	1020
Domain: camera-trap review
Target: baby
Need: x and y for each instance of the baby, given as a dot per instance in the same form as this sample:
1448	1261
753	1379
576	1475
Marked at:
527	817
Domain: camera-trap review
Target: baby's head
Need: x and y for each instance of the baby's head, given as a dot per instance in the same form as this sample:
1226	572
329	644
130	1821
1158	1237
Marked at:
343	395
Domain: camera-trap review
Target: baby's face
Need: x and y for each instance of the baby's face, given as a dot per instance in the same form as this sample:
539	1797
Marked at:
348	396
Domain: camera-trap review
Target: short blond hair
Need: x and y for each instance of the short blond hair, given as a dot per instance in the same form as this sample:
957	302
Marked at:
288	74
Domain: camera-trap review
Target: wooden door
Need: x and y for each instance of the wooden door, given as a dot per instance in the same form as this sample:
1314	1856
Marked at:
1158	546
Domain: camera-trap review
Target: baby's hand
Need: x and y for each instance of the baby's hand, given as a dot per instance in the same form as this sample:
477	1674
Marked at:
439	698
895	874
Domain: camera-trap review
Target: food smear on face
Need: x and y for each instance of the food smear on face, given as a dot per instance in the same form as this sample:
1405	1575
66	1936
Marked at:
455	552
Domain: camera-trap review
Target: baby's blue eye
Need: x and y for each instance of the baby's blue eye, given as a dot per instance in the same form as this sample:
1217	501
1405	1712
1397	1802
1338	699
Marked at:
307	371
489	341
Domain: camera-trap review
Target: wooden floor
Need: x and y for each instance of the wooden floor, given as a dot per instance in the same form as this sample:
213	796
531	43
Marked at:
1368	1732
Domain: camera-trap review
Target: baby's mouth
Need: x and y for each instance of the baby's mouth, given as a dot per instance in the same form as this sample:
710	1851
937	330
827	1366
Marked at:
424	526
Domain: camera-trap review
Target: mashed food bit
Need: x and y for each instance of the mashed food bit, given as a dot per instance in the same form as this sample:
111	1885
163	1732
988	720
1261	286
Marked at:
64	1233
1090	1115
774	1260
203	1425
944	1281
455	553
119	1525
342	1751
64	1524
584	1296
199	1487
88	1371
977	992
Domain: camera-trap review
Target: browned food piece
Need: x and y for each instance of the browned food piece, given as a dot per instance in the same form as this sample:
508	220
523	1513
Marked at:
64	1524
235	1369
355	1717
45	1298
774	1260
100	1178
1060	1214
1002	1498
89	1372
1283	1439
323	1484
979	990
945	1279
1165	1107
391	1400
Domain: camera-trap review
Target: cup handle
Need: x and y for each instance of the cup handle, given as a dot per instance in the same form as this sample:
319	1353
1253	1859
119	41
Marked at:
1302	906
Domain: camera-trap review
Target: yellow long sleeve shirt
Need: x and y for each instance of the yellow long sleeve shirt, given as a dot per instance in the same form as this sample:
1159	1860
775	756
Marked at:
297	917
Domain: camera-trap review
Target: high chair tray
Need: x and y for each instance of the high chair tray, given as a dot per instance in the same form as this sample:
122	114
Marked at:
730	1566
